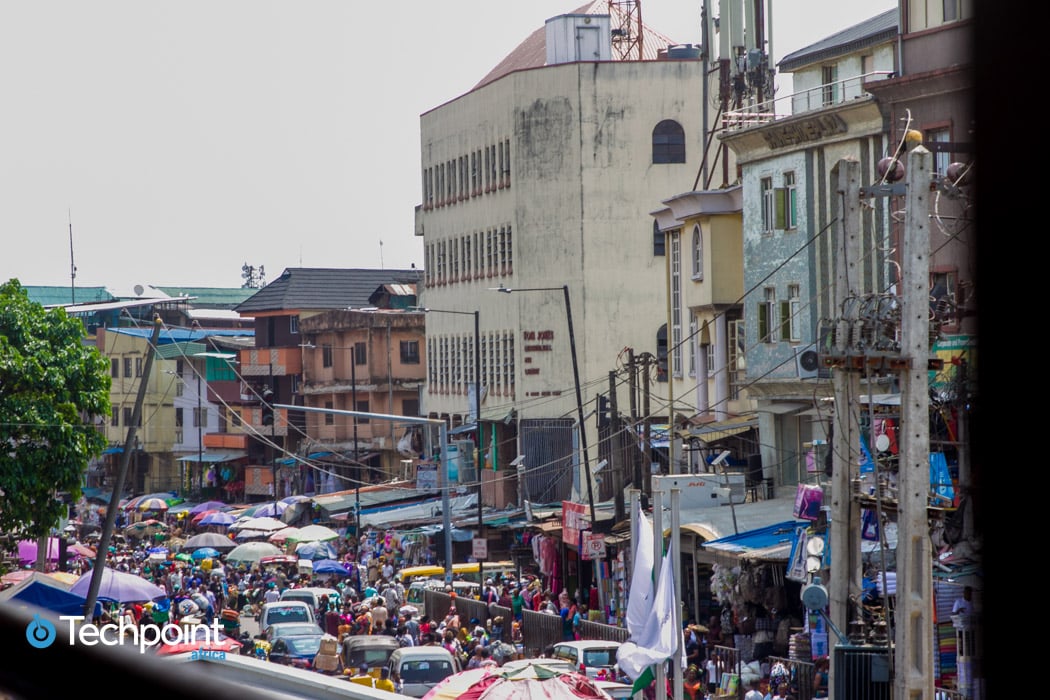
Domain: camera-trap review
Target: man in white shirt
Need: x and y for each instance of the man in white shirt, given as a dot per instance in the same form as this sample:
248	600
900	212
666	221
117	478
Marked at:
754	693
964	605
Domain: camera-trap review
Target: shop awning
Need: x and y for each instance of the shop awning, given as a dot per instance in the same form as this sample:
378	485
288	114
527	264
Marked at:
720	430
214	456
113	451
771	543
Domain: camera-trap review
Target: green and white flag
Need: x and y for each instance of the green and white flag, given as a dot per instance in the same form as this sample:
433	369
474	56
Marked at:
658	642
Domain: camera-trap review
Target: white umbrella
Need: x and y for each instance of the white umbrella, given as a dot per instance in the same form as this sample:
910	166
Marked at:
251	552
265	524
313	533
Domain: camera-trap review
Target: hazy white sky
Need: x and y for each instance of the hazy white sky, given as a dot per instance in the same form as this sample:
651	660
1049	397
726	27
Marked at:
184	139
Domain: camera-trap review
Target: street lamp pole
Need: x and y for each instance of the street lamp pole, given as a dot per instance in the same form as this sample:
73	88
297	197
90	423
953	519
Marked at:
576	381
477	394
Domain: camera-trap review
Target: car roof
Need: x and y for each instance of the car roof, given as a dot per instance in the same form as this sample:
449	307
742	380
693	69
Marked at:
279	627
371	640
423	651
284	604
589	644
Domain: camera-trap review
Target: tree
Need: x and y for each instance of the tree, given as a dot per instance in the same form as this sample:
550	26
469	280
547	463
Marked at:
52	386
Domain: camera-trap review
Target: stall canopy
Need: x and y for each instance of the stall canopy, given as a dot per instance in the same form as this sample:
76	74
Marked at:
772	543
215	456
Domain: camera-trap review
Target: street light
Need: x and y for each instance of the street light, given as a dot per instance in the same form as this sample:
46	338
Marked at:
575	377
477	391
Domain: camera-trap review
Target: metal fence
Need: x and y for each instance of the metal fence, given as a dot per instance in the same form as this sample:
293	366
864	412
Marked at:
539	630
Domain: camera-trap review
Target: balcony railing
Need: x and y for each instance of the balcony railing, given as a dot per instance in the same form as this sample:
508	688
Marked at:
826	95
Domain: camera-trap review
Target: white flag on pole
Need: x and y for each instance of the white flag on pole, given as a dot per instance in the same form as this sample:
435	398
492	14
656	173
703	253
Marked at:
640	595
660	638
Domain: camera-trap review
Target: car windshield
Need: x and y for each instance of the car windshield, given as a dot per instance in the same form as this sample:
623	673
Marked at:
425	671
291	613
372	657
600	657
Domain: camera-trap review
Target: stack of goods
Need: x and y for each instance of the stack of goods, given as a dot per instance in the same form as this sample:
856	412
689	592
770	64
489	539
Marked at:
799	647
327	658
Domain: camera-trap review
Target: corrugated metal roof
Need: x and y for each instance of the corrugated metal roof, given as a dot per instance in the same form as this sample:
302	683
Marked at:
870	32
211	297
532	52
53	296
324	288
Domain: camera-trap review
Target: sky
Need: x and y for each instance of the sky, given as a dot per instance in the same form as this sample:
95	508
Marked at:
172	143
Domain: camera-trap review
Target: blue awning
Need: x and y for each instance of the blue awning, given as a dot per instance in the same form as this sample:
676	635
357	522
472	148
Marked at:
771	543
113	451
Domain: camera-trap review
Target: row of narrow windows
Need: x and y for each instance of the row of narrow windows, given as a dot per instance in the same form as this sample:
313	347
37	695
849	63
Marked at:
472	175
450	364
476	255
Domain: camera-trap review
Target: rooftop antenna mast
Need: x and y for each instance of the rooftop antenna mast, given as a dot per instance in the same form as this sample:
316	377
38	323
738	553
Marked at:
627	29
381	266
72	266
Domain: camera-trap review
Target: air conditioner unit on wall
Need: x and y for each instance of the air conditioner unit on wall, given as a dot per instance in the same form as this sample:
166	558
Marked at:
807	362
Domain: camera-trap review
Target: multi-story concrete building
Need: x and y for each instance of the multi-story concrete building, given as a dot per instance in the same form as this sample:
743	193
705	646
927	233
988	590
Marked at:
541	180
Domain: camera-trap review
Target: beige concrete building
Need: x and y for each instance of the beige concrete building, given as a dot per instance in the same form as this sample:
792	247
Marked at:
543	178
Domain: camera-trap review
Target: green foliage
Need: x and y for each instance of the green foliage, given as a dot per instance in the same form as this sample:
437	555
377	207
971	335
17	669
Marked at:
52	386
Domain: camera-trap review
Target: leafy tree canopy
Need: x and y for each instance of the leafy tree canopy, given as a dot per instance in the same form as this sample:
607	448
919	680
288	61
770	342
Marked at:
52	386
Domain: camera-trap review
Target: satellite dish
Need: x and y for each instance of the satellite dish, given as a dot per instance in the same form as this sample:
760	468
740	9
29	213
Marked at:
882	442
815	596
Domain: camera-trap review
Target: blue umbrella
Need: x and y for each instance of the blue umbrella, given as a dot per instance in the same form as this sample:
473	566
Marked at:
218	518
329	566
207	505
205	553
158	550
316	551
268	510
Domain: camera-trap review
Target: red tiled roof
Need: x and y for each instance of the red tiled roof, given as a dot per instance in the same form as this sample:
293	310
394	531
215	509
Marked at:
532	53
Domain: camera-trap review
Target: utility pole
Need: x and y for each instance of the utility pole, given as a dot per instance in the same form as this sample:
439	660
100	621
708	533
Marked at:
118	485
615	453
913	654
632	388
647	435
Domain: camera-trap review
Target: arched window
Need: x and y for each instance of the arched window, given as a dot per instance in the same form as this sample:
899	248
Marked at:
668	142
698	254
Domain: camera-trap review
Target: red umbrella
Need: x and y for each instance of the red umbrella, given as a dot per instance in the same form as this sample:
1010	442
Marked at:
495	684
228	644
202	514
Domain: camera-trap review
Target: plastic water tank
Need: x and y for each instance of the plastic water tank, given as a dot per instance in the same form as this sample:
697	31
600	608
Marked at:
683	51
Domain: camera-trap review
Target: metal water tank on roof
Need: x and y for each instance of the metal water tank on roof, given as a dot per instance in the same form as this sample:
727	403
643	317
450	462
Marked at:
572	38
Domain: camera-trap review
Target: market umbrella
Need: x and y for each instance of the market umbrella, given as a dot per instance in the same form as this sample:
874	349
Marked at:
251	552
207	505
329	566
206	553
283	534
209	539
83	550
145	528
182	556
269	510
529	682
119	586
218	518
27	550
315	551
151	504
196	518
265	524
245	535
203	640
314	533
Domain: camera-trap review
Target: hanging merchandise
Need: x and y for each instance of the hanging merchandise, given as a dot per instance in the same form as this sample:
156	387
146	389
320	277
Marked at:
940	480
808	500
869	525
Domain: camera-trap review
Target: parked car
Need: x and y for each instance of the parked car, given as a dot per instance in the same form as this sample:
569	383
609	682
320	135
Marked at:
589	656
421	668
294	629
286	611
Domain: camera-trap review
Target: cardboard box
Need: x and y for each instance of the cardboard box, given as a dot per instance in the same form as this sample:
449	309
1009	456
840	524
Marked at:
329	646
326	662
